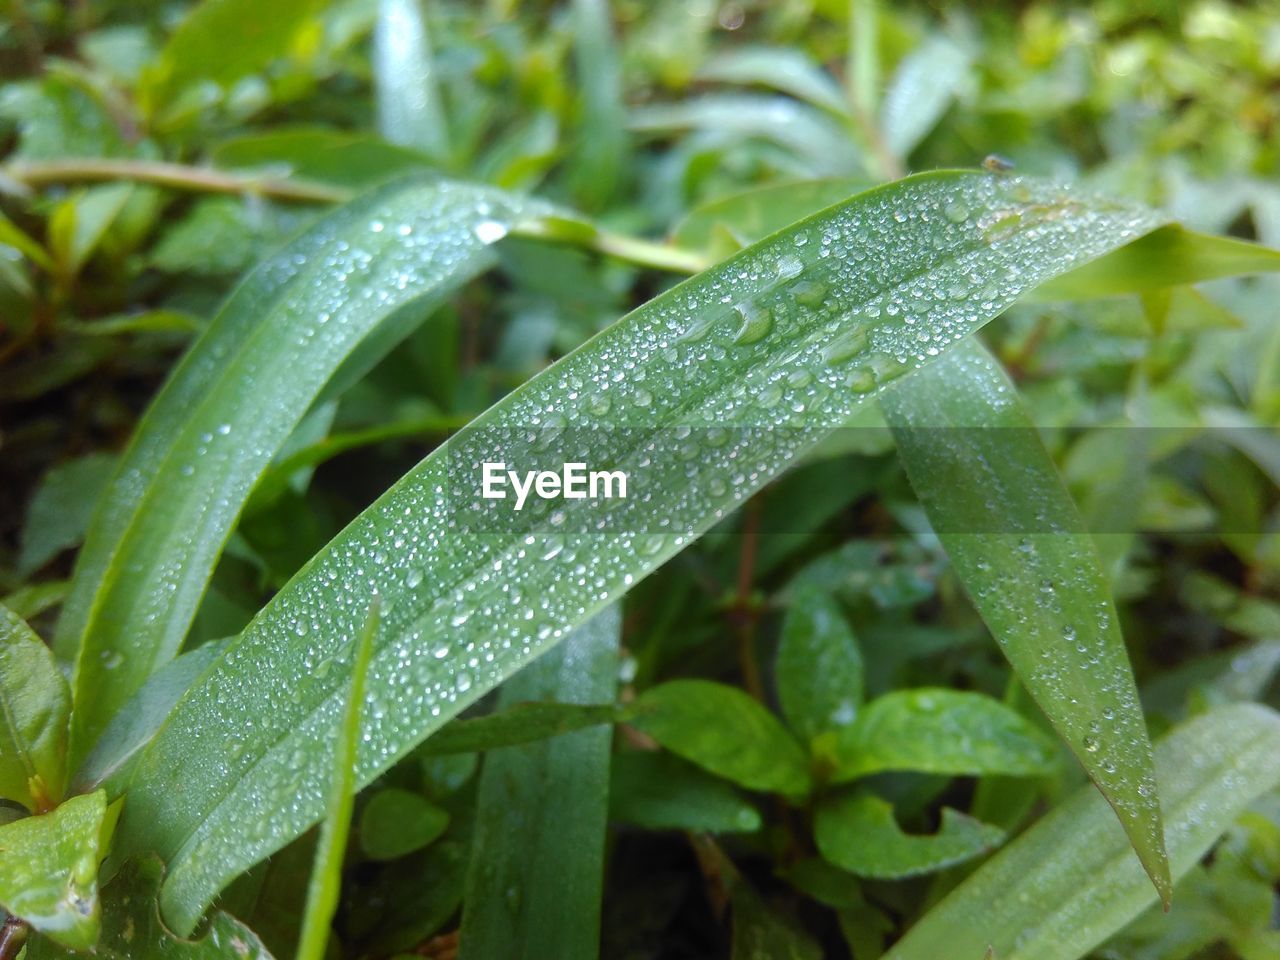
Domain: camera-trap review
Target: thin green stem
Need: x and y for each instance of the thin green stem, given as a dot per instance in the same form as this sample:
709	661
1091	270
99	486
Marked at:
644	253
179	176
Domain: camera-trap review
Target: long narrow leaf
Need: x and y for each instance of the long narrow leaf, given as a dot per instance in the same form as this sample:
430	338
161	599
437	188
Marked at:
326	879
1017	542
231	404
764	353
1070	882
537	859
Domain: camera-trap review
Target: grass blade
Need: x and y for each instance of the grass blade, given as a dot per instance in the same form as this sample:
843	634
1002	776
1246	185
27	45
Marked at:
1070	882
231	404
599	166
1017	542
409	109
1168	257
537	859
765	353
326	878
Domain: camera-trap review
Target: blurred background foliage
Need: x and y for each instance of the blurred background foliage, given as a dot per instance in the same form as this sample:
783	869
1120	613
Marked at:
153	153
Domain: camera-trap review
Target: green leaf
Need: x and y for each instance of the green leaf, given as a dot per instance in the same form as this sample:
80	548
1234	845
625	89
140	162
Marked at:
60	510
199	51
231	404
78	224
754	214
922	87
131	917
724	730
49	876
940	731
785	69
858	832
819	666
602	135
408	101
1169	257
396	822
658	791
137	721
326	877
1071	881
1017	542
537	861
452	629
34	706
517	724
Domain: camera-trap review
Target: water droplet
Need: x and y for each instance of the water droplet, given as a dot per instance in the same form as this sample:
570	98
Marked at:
490	231
756	323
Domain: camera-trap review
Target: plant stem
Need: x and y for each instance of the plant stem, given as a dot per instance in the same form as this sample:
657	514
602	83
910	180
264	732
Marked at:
204	179
644	253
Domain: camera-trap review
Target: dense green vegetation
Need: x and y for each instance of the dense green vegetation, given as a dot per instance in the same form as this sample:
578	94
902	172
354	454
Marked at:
938	348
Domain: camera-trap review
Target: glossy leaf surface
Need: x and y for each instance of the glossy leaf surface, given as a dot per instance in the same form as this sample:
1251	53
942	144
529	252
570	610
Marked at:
1071	881
765	353
994	497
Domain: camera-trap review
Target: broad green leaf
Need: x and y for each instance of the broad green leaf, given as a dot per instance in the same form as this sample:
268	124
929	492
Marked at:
659	791
131	918
231	404
754	214
408	101
326	877
199	51
396	822
933	256
724	730
935	730
49	872
60	509
819	666
537	861
1071	880
1018	544
1169	257
34	706
858	832
517	724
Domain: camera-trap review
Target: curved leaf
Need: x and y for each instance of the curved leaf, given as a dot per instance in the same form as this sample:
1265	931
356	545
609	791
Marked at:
1018	544
819	666
724	730
858	832
1070	882
940	731
1168	257
764	353
49	872
228	408
34	705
